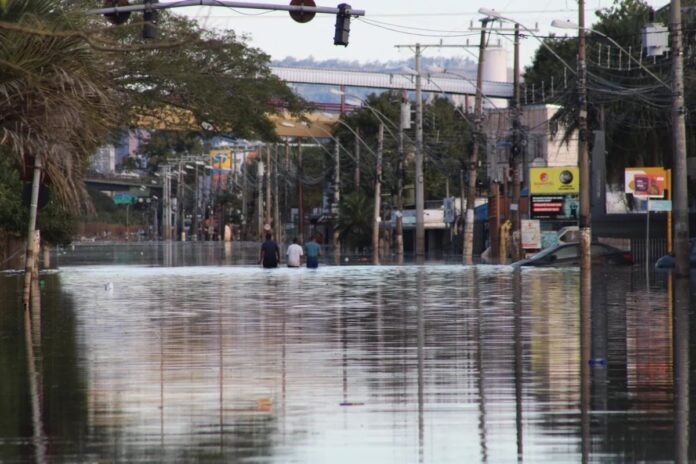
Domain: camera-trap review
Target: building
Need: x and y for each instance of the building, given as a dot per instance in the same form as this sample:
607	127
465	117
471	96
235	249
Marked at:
541	150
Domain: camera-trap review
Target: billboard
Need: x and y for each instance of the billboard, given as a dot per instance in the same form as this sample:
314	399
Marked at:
646	182
554	180
221	160
564	207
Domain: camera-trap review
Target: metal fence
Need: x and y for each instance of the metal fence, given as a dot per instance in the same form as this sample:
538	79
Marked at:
656	248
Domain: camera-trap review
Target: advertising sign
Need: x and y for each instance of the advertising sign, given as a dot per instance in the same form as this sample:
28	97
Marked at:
555	206
221	160
544	181
531	234
645	182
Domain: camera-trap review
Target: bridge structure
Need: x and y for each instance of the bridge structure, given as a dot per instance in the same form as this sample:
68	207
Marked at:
440	83
123	184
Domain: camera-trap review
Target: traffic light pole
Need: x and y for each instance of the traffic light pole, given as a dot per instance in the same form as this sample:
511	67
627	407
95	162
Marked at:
229	4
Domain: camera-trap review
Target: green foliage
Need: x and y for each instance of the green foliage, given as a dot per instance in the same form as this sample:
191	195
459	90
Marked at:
355	220
201	78
57	224
446	137
632	106
56	95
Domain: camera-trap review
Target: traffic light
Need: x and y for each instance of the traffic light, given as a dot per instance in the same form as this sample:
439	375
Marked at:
342	31
116	18
150	20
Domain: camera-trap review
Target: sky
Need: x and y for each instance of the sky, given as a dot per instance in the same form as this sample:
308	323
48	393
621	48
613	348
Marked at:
394	22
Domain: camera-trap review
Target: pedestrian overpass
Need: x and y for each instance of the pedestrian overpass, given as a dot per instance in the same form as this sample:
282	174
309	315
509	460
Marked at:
440	83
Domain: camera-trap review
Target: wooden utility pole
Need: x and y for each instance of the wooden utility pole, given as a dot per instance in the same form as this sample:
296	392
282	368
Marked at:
336	202
515	152
583	149
31	249
679	166
400	177
277	226
300	192
259	198
378	196
468	248
267	181
357	159
245	218
420	187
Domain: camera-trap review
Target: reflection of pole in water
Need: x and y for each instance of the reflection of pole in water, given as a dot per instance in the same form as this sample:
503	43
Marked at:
283	369
517	295
585	347
479	366
34	364
599	351
221	377
161	377
681	368
421	342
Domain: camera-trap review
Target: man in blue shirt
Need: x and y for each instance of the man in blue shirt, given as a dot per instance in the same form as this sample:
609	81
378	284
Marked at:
270	253
313	252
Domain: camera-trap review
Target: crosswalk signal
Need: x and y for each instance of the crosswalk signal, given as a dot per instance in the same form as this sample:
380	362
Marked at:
342	31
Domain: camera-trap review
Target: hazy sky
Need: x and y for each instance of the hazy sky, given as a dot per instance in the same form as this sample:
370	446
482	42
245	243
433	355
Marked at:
392	22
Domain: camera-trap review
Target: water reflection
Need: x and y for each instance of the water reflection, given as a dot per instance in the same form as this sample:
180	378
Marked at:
432	364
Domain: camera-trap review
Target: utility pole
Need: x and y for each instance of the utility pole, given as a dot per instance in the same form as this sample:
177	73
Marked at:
679	168
357	159
378	195
277	226
468	248
420	192
336	200
400	177
267	179
244	200
515	152
583	151
166	206
259	197
300	192
286	217
179	203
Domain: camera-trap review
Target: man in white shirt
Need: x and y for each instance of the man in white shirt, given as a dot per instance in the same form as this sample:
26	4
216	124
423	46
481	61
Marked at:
294	254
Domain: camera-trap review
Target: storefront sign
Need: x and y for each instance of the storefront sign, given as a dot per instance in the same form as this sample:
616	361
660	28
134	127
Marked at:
545	181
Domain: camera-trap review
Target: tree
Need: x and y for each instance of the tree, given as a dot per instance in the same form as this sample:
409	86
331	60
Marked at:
628	103
197	79
355	220
56	105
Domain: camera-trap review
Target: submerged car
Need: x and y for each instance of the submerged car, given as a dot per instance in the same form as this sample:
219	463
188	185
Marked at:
667	261
568	254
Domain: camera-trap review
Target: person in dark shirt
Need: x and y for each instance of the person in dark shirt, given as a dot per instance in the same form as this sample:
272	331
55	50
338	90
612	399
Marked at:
270	253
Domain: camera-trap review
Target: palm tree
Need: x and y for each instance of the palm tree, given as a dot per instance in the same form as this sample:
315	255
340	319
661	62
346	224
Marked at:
354	222
55	106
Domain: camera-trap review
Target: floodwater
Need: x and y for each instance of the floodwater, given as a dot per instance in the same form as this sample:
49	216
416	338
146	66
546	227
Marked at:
187	353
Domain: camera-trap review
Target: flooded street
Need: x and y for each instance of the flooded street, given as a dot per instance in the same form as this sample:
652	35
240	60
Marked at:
148	354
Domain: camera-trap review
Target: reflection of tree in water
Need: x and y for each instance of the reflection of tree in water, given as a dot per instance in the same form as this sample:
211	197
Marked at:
63	382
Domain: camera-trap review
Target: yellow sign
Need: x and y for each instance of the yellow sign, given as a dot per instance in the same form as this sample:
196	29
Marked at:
221	160
564	179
